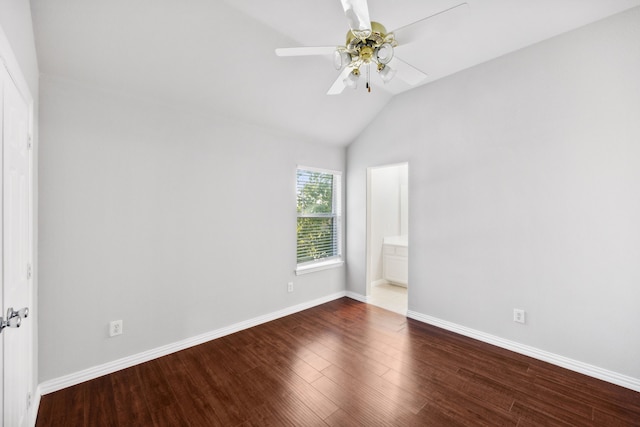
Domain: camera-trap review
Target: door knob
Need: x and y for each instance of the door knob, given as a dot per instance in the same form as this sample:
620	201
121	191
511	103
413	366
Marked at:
22	313
14	318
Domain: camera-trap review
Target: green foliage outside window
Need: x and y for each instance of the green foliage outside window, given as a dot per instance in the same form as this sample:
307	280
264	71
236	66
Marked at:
317	222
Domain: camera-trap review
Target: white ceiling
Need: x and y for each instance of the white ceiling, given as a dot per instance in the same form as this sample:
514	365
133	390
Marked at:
218	55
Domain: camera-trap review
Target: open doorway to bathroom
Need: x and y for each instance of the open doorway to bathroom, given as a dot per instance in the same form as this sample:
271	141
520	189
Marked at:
388	236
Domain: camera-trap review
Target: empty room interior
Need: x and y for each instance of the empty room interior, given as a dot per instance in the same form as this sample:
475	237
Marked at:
432	221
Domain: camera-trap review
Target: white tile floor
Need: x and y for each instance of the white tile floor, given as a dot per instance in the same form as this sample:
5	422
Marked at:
390	297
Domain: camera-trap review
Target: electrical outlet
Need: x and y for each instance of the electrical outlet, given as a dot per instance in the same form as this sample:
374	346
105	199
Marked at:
115	328
518	315
290	287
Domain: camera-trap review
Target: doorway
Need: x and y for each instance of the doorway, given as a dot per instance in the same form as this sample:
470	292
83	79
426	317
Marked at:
388	236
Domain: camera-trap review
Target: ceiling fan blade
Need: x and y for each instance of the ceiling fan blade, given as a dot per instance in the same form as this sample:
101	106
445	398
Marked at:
305	51
338	86
407	73
357	13
434	24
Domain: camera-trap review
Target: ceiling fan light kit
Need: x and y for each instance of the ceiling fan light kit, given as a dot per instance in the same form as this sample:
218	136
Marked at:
376	47
384	53
352	79
369	42
341	58
386	72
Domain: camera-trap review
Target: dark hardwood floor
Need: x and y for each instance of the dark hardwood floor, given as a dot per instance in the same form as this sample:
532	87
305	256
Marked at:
343	363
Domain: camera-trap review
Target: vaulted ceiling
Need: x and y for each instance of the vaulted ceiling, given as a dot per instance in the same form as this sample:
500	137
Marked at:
217	56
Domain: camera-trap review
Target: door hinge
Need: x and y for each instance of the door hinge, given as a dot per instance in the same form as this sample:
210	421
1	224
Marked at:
30	142
29	271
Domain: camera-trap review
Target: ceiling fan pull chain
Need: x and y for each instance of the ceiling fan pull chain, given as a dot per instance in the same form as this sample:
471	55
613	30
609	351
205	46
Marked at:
368	78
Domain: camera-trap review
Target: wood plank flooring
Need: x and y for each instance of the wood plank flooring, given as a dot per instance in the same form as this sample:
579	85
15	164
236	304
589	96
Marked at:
343	363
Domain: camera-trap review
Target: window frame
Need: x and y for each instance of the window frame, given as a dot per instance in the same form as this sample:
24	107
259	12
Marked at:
337	204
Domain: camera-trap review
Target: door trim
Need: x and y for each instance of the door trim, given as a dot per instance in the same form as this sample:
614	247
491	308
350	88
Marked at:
11	64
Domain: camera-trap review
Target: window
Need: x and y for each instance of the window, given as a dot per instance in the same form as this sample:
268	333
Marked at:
319	219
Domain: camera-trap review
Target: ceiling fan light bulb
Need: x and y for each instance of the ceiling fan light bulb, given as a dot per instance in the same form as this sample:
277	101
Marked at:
337	60
341	59
387	73
352	79
384	54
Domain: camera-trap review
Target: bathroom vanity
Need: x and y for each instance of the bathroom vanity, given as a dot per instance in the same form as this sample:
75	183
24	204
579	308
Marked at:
395	260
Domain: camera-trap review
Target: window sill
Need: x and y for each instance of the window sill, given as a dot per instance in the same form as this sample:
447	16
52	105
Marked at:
319	266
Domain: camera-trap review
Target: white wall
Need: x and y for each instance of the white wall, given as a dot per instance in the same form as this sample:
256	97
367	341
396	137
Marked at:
178	223
524	187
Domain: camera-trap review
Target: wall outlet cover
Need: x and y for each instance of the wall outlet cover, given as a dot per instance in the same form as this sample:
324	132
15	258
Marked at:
115	328
518	315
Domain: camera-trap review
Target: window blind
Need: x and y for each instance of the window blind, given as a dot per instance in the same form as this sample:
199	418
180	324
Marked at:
319	215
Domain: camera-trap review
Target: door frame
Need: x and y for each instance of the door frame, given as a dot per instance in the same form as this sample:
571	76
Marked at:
10	63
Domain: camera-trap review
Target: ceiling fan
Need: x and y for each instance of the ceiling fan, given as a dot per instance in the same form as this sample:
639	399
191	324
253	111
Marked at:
368	43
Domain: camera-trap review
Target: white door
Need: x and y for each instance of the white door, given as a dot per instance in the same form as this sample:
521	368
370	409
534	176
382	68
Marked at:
16	252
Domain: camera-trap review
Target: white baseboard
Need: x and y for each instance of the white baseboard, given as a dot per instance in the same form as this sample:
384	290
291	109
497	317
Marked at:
357	297
126	362
554	359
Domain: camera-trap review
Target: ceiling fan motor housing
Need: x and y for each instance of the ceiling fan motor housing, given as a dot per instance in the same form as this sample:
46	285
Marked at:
367	49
